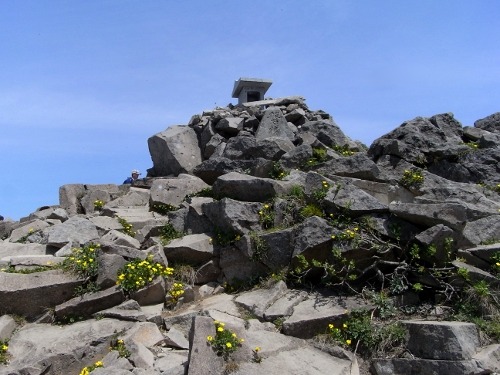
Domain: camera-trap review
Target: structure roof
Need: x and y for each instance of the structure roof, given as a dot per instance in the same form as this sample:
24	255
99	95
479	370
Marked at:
254	82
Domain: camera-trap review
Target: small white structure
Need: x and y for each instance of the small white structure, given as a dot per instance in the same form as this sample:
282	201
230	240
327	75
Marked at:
250	89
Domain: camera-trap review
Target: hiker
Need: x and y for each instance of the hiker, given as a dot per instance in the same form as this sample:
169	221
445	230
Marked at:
134	176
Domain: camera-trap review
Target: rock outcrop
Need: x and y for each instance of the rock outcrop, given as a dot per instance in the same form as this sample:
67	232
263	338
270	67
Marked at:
274	192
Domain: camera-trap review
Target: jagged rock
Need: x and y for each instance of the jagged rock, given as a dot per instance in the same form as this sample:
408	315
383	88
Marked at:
23	232
283	306
421	139
258	301
313	238
125	310
120	238
194	249
274	249
31	294
247	188
176	339
403	366
490	123
27	262
237	266
230	126
89	303
273	124
134	197
75	229
7	326
202	359
347	196
151	294
232	215
358	165
441	340
64	349
312	315
173	191
453	215
174	151
482	230
109	264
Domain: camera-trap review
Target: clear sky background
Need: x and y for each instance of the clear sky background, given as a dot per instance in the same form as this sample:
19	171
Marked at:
85	83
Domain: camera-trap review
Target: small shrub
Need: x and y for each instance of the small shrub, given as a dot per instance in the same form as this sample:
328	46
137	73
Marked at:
98	204
225	342
225	238
139	273
412	178
310	210
83	261
175	292
266	216
162	208
120	347
343	150
168	233
87	370
127	228
260	247
4	347
278	172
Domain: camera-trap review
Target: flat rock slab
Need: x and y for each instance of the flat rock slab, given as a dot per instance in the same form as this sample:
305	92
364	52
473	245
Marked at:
442	340
48	346
31	294
312	316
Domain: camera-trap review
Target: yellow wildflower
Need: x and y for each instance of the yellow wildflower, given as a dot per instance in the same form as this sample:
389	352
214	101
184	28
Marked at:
210	338
229	345
348	342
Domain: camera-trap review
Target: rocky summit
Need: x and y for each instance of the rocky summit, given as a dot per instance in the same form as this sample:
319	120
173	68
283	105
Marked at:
264	240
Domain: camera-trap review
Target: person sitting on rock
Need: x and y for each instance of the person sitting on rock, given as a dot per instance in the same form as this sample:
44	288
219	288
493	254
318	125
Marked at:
133	178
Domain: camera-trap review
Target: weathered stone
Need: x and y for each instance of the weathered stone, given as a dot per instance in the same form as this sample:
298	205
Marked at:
232	215
22	233
441	340
202	358
120	238
125	310
490	123
89	303
194	249
273	124
151	294
258	301
247	188
75	229
7	326
31	294
174	151
173	191
108	267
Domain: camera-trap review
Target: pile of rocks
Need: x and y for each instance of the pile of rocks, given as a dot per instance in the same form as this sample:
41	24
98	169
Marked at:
211	182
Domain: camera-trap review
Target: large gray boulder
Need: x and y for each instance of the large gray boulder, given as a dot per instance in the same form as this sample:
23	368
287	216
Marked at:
274	124
174	151
75	229
32	294
173	191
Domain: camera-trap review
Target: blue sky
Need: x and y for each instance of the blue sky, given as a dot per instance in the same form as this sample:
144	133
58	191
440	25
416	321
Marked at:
85	83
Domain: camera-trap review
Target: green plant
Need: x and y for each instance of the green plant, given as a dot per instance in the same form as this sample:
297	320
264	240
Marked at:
120	347
310	210
98	204
266	216
297	192
278	172
162	208
168	233
259	246
4	347
360	332
25	238
473	145
319	194
138	273
175	292
87	370
89	287
495	259
319	155
225	238
128	229
256	355
384	304
412	178
225	342
83	261
343	150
